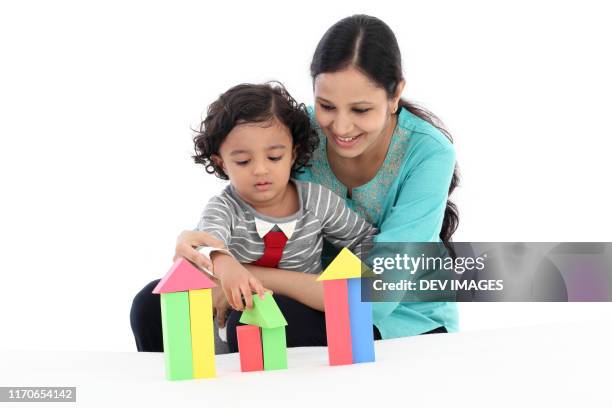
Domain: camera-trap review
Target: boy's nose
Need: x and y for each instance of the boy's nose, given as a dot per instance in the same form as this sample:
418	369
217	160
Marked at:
260	169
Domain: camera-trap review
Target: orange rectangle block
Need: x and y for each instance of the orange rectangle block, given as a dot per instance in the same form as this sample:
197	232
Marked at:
249	347
337	322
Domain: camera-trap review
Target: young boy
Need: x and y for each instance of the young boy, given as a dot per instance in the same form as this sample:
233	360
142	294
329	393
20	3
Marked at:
255	136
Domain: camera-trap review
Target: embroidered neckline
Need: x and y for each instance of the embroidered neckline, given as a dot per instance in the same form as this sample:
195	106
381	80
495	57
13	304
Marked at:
367	198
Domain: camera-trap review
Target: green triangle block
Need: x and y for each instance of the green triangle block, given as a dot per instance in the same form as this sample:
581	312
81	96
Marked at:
265	313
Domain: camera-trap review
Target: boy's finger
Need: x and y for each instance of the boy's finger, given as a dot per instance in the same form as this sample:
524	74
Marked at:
221	319
237	297
258	287
248	297
229	297
202	261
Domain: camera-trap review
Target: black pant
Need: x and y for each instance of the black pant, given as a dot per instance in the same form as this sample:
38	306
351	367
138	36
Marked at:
305	326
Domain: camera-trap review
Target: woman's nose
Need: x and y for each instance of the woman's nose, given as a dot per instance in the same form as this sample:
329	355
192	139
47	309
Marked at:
341	126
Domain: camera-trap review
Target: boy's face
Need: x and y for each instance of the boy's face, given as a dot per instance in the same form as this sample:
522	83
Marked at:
257	158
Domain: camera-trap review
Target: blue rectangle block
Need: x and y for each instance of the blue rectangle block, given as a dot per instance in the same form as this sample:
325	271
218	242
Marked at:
362	329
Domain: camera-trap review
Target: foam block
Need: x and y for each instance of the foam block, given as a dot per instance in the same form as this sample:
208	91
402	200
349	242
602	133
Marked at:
265	313
360	313
177	335
344	266
202	336
183	276
249	347
337	322
274	348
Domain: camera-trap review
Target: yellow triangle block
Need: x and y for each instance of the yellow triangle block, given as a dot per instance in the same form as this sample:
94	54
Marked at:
345	266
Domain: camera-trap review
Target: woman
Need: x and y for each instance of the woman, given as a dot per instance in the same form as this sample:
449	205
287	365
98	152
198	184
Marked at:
389	161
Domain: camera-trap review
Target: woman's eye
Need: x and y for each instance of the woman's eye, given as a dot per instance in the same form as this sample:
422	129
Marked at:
242	163
326	107
275	158
361	110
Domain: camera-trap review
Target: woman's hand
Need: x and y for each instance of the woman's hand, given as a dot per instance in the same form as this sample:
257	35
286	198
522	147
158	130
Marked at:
186	245
236	281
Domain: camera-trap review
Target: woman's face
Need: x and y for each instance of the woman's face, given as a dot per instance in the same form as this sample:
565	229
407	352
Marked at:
353	112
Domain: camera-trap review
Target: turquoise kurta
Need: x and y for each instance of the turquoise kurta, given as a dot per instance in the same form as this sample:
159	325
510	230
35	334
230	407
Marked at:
406	201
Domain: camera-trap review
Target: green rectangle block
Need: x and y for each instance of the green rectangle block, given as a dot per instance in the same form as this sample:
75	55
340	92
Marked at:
274	345
177	335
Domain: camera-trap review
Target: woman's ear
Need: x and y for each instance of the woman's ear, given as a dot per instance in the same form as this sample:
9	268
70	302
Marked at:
398	94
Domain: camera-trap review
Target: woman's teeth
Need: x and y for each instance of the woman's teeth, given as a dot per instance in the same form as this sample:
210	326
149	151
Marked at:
347	139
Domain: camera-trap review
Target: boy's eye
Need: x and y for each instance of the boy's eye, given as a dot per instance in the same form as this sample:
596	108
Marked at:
277	158
242	162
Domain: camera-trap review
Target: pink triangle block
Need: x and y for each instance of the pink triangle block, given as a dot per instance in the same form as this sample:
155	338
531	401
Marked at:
183	276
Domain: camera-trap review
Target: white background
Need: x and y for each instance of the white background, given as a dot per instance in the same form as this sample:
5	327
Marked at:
97	102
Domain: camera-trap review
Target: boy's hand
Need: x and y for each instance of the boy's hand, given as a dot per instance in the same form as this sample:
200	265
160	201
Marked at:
237	282
186	245
220	305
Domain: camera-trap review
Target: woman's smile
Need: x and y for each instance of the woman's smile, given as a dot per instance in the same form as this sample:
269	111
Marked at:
347	142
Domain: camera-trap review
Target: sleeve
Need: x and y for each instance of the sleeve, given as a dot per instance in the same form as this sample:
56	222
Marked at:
418	211
216	220
341	226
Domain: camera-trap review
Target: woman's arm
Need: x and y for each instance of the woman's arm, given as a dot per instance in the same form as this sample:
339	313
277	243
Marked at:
418	212
302	287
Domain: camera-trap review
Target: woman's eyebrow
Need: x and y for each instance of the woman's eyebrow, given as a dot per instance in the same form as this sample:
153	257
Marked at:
352	103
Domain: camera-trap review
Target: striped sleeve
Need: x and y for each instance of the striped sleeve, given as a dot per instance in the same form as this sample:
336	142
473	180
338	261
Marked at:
341	226
216	220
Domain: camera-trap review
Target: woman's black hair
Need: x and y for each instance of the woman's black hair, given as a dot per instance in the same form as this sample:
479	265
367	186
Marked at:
253	103
368	44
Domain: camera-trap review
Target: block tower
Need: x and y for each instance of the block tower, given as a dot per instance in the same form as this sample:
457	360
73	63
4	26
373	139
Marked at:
187	322
267	317
348	320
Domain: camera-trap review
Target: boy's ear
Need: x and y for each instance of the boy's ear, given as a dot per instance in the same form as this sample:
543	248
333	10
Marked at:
218	161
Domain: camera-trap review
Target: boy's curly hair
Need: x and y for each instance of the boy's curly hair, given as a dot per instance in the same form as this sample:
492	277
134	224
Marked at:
253	103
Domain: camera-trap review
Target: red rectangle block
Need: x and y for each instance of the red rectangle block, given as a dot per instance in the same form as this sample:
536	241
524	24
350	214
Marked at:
337	322
249	347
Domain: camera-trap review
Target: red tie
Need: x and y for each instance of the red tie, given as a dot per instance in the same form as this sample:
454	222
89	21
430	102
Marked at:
274	243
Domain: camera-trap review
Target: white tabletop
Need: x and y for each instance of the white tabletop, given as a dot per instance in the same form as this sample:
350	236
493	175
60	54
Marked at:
566	365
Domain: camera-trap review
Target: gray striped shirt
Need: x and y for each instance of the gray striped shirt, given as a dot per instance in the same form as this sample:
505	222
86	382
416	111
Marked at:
322	214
